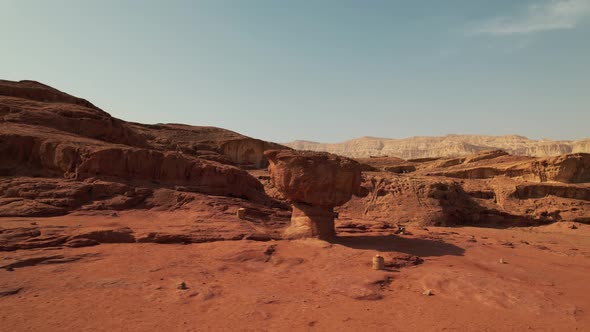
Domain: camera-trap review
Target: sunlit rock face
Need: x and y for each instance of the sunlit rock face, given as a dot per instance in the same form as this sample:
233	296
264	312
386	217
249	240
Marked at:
315	182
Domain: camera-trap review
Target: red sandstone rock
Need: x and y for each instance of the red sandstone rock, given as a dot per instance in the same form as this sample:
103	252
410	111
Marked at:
315	182
487	188
52	136
569	168
315	178
33	90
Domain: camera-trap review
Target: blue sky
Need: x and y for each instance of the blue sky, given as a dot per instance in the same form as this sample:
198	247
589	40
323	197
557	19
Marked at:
316	70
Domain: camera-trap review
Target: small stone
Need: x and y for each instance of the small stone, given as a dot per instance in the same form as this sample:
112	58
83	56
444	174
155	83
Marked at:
427	292
378	262
114	214
33	223
502	261
573	226
9	268
182	286
9	291
241	213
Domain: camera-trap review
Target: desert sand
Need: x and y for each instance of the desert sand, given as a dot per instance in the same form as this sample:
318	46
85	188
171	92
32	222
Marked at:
305	284
108	225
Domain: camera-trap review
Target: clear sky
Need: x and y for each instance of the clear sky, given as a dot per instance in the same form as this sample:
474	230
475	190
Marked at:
316	70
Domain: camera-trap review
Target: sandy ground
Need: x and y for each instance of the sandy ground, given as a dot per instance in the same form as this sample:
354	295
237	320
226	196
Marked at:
308	284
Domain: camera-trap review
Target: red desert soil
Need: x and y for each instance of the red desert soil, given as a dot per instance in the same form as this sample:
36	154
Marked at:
304	284
108	225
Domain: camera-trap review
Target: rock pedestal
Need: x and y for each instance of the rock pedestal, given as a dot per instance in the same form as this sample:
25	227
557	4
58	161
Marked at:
311	221
315	183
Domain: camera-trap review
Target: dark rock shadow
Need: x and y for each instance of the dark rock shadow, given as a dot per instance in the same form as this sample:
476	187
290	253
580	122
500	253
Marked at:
389	243
459	208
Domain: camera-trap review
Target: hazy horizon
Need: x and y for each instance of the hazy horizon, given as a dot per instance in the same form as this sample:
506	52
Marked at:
444	135
326	72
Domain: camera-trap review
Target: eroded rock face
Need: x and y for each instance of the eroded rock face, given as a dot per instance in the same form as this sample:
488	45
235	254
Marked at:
63	141
311	221
316	183
33	90
29	108
248	152
49	157
570	168
487	188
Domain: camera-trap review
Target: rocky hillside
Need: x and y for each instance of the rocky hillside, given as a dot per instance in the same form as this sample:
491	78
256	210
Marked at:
444	146
60	153
487	188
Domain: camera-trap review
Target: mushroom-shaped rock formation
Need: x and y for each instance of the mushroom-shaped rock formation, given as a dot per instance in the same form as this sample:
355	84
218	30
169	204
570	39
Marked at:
315	182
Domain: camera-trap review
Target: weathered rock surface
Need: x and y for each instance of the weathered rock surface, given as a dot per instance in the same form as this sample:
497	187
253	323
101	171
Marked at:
569	168
315	183
67	144
33	90
211	143
321	179
488	188
199	219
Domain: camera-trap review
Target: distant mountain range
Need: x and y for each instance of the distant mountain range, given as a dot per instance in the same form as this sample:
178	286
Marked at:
444	146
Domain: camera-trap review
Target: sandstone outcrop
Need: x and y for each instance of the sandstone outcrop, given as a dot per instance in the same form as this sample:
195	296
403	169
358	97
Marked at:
32	106
36	105
569	168
315	183
33	90
47	155
32	197
248	152
487	188
211	143
53	136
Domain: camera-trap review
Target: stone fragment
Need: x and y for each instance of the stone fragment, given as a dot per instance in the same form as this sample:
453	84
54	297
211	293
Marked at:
378	262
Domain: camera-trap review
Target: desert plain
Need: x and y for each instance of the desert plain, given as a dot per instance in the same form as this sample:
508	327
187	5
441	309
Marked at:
108	225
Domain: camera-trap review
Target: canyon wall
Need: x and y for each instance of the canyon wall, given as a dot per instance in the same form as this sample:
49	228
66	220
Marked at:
444	146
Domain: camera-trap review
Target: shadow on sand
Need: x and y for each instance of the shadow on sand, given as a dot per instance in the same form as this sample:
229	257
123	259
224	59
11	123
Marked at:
390	243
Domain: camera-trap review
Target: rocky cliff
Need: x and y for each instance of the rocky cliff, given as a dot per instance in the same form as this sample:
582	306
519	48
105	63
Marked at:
444	146
59	153
487	188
